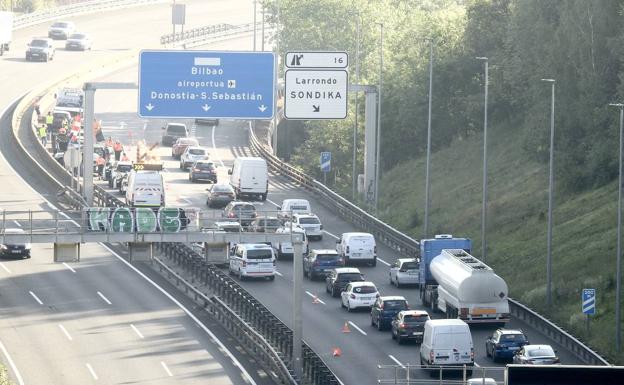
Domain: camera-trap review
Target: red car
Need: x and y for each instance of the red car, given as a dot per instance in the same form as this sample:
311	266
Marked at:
181	144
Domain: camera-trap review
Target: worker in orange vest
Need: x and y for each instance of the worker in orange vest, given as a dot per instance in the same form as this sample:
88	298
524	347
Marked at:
117	149
124	157
100	165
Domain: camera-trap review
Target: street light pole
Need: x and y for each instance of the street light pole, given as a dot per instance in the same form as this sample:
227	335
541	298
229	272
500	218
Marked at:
378	155
427	176
618	258
357	104
254	30
262	46
550	197
485	166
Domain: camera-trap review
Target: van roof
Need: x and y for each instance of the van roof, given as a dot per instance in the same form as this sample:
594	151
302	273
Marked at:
447	322
295	200
250	158
351	235
256	246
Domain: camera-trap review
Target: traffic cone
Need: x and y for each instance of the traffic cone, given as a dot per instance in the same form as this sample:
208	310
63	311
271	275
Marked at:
336	352
345	328
315	299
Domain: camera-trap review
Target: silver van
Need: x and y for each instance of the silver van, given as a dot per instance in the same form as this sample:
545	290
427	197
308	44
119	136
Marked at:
253	260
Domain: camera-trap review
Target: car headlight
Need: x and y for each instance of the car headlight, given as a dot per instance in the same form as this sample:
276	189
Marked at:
3	247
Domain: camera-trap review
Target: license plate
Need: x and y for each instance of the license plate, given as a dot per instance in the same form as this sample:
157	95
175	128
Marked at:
417	333
355	255
412	273
15	251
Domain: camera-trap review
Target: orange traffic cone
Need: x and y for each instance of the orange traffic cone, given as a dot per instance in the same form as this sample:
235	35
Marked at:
345	328
315	299
336	352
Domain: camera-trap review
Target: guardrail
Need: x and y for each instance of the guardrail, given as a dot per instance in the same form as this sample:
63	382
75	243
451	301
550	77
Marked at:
409	246
201	35
28	19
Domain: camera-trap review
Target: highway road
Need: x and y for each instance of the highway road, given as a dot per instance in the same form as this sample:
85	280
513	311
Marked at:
364	347
101	320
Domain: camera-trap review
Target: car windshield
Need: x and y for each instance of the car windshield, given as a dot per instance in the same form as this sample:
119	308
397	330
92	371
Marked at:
176	130
544	351
327	257
350	277
409	318
364	289
124	168
59	25
221	188
197	151
77	36
205	166
512	338
395	304
309	221
299	208
410	266
39	43
259	254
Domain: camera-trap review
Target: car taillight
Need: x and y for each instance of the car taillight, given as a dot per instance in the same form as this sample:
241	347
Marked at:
381	306
321	227
556	361
402	325
274	262
375	249
244	263
231	215
463	312
347	249
431	356
196	170
471	354
352	296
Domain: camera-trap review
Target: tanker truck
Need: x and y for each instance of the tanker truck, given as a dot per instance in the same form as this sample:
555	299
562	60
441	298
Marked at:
460	285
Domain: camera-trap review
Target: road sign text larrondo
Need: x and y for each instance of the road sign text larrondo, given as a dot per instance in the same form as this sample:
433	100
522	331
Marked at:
315	94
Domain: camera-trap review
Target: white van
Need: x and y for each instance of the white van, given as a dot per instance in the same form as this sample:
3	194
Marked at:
357	247
253	260
250	176
145	189
286	249
293	206
447	342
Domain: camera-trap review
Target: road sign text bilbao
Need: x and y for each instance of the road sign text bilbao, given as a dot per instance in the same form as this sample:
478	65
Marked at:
315	94
212	84
139	219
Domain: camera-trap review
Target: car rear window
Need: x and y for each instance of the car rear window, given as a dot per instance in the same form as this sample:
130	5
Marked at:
245	208
218	188
309	221
541	352
205	166
273	222
365	289
197	151
299	208
39	43
415	318
77	36
512	338
350	277
176	130
395	304
259	254
410	266
124	168
327	257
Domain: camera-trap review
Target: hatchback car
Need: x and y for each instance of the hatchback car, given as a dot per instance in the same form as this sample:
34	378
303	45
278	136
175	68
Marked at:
40	49
191	155
310	223
265	225
358	295
319	263
338	279
61	30
385	308
181	144
78	41
203	170
404	271
409	325
536	355
504	343
243	212
15	249
220	194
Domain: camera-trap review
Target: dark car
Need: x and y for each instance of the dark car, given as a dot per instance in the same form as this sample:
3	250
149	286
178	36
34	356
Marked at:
40	49
242	212
203	170
385	308
172	132
504	343
15	249
220	194
319	263
265	225
409	325
536	355
338	279
210	121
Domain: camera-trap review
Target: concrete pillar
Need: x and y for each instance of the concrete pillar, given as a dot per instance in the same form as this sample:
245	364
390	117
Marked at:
141	251
66	252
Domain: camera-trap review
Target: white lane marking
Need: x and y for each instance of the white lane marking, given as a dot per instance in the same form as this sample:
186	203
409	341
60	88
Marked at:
5	268
315	296
69	267
65	332
357	328
330	234
64	215
95	377
17	223
36	298
104	298
166	368
51	205
477	365
214	146
278	273
397	361
382	261
222	347
138	333
16	372
273	203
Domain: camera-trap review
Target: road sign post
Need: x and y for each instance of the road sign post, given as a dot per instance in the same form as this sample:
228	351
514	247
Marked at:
588	301
206	84
325	162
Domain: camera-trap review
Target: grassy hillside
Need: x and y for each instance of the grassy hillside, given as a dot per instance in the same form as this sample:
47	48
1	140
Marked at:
584	231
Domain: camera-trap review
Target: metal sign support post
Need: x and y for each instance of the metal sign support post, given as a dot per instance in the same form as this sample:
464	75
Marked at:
297	351
87	148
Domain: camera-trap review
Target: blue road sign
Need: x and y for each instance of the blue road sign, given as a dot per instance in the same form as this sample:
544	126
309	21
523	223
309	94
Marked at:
589	301
325	161
206	84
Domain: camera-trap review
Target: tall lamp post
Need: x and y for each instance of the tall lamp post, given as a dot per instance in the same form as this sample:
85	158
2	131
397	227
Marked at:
428	166
618	258
378	155
485	165
254	30
357	105
550	197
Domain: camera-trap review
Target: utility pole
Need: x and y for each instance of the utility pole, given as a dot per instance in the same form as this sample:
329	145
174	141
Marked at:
485	167
428	165
255	27
550	196
357	105
378	152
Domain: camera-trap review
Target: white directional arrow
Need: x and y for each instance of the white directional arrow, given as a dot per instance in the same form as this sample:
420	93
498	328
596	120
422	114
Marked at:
205	107
150	107
262	108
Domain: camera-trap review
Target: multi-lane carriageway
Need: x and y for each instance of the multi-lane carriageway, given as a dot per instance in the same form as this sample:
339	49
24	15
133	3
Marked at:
102	334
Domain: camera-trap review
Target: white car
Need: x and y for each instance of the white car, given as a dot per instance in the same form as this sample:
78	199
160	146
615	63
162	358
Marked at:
359	294
404	271
191	155
310	223
61	30
78	41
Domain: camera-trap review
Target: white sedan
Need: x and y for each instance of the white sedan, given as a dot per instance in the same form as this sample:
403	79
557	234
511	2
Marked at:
310	223
359	294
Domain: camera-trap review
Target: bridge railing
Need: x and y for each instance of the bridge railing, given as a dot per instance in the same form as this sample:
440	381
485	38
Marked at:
201	35
407	246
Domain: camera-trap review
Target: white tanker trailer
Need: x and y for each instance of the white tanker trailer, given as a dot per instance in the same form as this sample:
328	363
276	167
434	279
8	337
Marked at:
468	289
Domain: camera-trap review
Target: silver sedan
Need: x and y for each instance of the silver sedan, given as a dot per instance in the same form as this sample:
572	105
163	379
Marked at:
404	271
